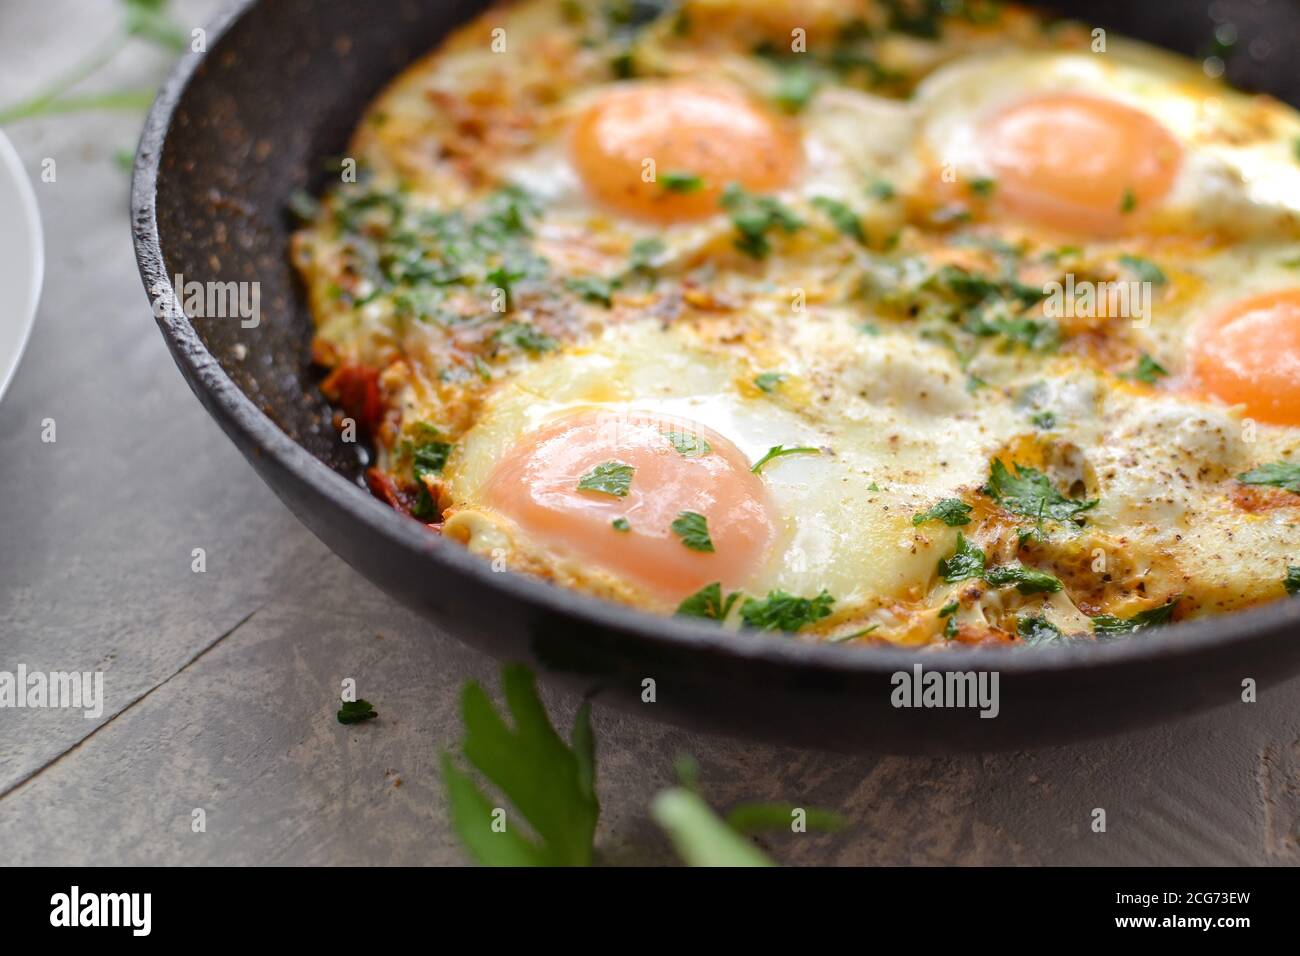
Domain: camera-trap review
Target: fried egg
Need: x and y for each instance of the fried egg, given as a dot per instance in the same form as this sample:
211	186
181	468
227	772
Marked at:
1095	145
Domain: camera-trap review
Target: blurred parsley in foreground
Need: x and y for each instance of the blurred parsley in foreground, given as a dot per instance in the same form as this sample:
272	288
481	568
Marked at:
551	785
145	20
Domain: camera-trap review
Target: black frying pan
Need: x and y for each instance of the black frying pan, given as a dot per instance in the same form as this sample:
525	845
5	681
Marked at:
282	84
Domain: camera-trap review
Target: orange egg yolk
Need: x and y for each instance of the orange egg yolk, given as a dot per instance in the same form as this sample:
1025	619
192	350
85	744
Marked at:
699	139
537	482
1249	354
1078	164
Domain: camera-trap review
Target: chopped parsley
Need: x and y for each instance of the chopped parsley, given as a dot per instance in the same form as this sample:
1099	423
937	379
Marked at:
688	445
882	189
950	628
1038	630
796	87
435	265
1026	580
355	711
966	562
525	337
1292	580
780	611
1104	625
693	529
709	603
620	524
644	254
594	289
1128	202
1029	492
769	381
780	451
611	478
1144	269
679	182
1045	420
427	458
983	187
842	216
951	511
1147	370
550	785
1279	474
1034	334
754	217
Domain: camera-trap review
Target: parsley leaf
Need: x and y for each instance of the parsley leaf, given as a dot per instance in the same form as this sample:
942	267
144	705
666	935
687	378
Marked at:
699	835
843	217
780	451
693	529
429	458
1292	580
708	602
983	187
967	562
951	511
525	337
1128	202
768	381
1144	269
882	189
1147	370
1038	630
1045	420
1279	474
1026	580
594	289
795	88
1108	626
644	253
355	711
621	524
688	445
609	478
754	217
780	611
551	785
1031	493
679	182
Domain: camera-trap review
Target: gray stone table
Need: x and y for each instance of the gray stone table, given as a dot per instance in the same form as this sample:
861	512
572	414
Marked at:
221	686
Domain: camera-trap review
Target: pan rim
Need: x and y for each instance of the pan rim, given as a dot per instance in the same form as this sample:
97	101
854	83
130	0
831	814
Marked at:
1181	642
